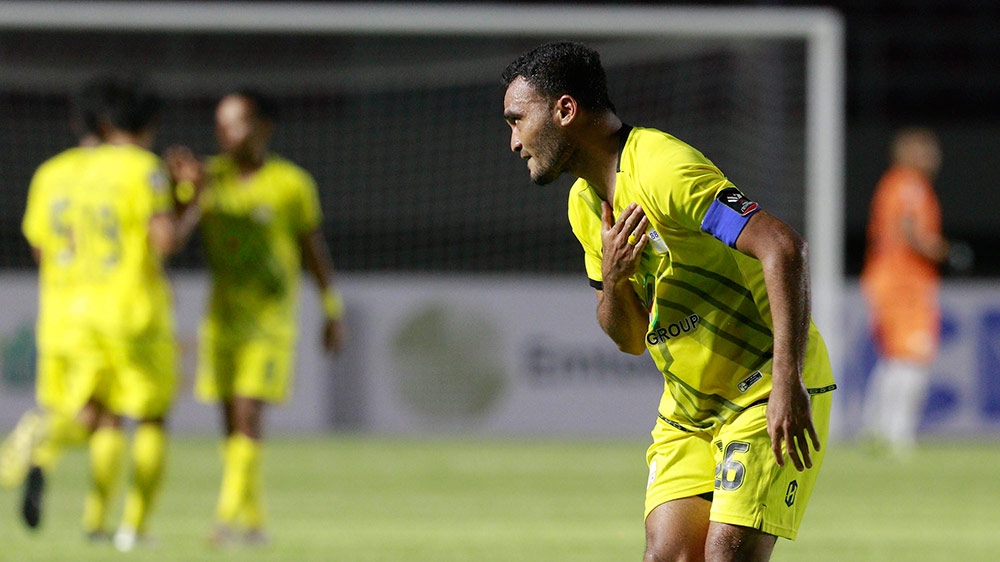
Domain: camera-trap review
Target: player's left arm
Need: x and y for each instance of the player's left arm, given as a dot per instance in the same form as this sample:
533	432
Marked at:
163	234
317	260
783	256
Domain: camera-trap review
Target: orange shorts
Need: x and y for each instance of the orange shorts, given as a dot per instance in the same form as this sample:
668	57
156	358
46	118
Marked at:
907	330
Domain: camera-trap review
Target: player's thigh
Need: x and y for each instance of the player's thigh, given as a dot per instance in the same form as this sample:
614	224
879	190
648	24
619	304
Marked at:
677	529
732	543
86	379
263	370
50	380
145	376
216	367
681	468
751	490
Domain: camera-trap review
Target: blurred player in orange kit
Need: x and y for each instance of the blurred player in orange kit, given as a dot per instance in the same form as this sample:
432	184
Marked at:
900	280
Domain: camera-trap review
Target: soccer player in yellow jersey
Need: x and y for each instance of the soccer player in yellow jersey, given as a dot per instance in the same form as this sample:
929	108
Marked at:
687	267
119	224
261	219
126	226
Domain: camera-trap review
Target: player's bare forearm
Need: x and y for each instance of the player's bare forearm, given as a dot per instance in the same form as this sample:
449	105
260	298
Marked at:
186	221
189	178
619	310
316	258
623	317
783	256
162	234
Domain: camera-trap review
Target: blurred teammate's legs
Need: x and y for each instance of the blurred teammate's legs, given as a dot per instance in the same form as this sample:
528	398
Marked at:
41	435
145	389
106	447
896	395
240	500
244	376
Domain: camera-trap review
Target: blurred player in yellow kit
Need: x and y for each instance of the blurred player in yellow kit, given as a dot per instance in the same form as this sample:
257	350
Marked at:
261	219
118	224
35	445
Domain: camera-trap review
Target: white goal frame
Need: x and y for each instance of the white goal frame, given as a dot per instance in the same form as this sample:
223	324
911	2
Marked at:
821	29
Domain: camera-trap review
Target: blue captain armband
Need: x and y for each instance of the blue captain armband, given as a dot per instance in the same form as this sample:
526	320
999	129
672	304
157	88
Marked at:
728	214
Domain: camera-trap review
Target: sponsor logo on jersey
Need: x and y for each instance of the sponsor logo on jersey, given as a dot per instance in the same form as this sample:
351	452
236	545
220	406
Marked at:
732	198
746	383
661	334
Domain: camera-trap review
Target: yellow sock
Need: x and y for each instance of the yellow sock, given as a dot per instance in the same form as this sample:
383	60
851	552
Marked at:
106	446
241	459
149	453
60	431
252	515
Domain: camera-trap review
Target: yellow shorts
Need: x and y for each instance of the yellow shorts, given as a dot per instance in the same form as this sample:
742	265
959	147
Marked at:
737	466
134	377
50	380
254	368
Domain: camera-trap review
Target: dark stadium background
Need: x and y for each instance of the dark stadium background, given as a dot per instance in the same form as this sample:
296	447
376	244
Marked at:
913	62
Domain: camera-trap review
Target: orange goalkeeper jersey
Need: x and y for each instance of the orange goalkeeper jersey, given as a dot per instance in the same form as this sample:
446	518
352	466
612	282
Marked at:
900	284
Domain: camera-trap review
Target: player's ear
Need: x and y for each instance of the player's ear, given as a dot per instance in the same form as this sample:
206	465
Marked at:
565	109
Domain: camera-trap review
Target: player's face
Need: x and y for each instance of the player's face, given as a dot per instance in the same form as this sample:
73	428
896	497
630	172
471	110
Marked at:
237	128
534	134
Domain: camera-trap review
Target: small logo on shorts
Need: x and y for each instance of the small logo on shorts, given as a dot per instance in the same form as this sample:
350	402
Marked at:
790	494
652	474
746	383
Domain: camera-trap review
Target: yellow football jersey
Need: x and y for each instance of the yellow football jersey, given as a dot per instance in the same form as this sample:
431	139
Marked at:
124	291
252	229
47	227
710	323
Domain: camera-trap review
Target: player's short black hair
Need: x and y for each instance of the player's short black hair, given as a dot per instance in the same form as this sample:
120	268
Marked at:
131	105
564	67
87	103
264	107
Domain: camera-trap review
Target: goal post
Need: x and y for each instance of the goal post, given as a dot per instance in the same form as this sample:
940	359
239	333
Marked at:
628	38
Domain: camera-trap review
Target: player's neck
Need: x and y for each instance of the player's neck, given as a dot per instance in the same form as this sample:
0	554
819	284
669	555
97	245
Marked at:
120	137
248	164
596	158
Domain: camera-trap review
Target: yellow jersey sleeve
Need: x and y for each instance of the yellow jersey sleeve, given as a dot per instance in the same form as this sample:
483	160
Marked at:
680	182
585	219
33	224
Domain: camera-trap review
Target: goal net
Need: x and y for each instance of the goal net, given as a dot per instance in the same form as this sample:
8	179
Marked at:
396	111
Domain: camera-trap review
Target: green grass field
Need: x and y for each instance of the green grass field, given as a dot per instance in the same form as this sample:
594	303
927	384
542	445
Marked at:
367	499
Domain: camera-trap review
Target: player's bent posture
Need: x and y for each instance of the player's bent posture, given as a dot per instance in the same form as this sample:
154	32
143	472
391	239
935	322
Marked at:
901	281
689	268
261	219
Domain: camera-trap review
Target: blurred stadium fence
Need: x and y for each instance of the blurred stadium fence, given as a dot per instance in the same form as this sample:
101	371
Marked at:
396	110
